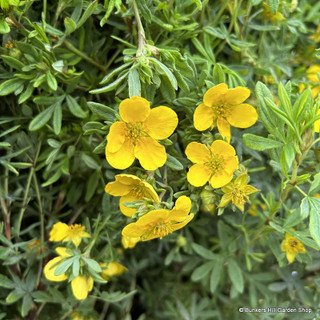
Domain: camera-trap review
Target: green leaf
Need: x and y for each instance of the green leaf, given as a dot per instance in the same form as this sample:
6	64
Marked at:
26	305
235	275
302	106
203	252
15	295
53	179
315	185
216	274
111	4
76	267
4	133
173	163
200	272
109	76
90	162
75	108
314	225
10	86
305	208
134	83
198	3
92	264
4	27
26	94
57	118
12	62
164	70
70	25
91	186
41	119
104	112
51	80
63	266
5	282
89	11
259	143
285	101
111	86
274	5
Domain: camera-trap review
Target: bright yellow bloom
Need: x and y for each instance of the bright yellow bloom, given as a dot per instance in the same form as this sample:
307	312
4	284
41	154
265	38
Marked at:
223	107
312	76
62	232
130	188
51	266
112	269
291	246
161	222
129	243
215	164
237	192
81	286
136	135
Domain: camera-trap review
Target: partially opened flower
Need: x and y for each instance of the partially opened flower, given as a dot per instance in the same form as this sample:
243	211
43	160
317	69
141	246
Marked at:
237	192
62	232
136	135
291	246
312	75
215	164
223	107
130	188
112	269
81	286
161	222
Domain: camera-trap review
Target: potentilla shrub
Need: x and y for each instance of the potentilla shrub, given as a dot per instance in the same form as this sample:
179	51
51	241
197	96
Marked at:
159	159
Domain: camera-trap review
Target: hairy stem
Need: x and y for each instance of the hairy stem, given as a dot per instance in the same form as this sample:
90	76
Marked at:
141	33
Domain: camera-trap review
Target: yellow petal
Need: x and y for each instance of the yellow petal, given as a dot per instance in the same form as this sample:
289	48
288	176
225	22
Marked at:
130	197
242	116
149	192
181	209
150	153
197	152
135	109
154	217
203	117
224	128
49	270
116	136
236	96
214	96
117	188
226	198
129	243
315	91
63	252
90	283
220	179
180	225
230	164
81	286
123	158
290	256
133	231
312	73
223	148
161	123
127	179
59	231
113	269
198	175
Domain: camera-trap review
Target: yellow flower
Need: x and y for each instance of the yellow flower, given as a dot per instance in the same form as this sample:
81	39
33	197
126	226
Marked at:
291	246
237	192
81	286
159	223
112	269
312	76
51	266
136	135
62	232
223	107
215	164
76	316
130	188
129	243
270	16
36	244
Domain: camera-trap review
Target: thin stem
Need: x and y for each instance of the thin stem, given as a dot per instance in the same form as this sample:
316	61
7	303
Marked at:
298	188
79	53
141	33
44	8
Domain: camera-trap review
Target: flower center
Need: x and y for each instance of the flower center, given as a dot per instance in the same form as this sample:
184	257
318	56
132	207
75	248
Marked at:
138	191
162	230
221	111
75	229
135	131
238	196
215	164
293	243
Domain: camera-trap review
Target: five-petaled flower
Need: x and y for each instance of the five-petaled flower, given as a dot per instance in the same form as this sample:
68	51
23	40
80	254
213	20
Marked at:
136	134
161	222
223	107
237	192
62	232
215	164
130	188
80	285
291	246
